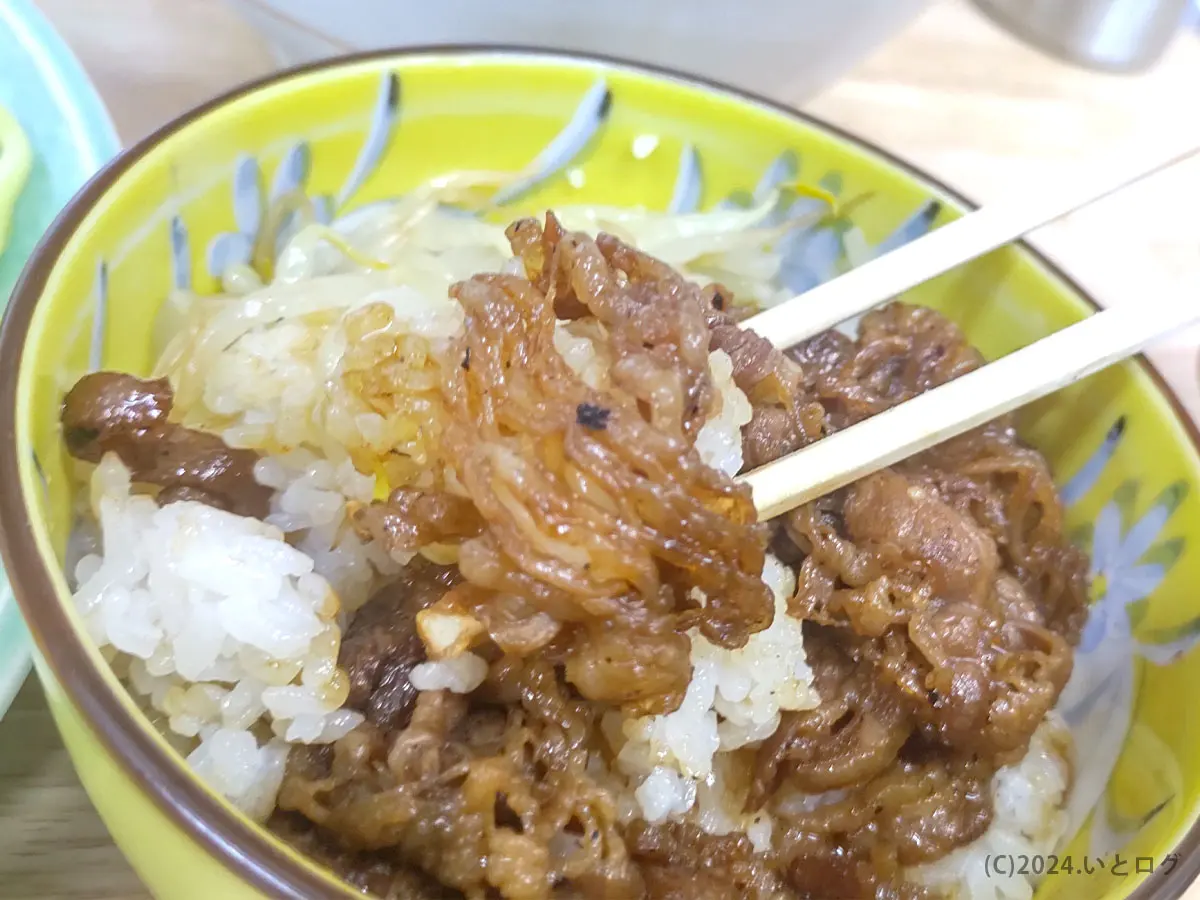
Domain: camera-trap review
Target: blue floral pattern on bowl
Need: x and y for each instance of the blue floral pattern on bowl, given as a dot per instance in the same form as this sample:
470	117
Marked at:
1130	558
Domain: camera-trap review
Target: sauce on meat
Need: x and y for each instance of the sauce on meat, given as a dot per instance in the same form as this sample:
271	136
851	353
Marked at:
113	412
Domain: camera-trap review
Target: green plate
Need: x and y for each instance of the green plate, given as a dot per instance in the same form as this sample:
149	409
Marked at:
44	87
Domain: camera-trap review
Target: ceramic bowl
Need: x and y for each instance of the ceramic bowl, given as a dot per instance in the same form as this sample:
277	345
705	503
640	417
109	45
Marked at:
68	136
187	201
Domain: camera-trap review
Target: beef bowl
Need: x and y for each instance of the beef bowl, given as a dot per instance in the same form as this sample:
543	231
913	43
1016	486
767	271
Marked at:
370	492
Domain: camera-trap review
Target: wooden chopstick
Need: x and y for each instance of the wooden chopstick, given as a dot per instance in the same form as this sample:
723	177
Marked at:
965	403
887	276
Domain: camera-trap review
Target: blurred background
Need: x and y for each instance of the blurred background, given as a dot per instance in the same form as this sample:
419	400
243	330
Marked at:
938	82
984	94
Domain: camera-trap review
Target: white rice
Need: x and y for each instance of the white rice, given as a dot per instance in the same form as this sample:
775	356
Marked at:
273	370
310	506
231	762
459	674
1030	821
678	765
719	442
331	358
579	352
222	625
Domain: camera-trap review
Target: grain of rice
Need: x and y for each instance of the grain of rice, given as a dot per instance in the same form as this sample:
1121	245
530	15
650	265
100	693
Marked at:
221	625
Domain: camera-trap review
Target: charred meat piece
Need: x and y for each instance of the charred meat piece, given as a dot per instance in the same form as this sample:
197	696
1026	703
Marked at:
105	408
887	512
381	645
110	412
381	875
854	735
487	800
681	862
412	519
599	512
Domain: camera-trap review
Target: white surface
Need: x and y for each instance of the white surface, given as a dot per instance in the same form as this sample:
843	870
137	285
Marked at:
788	49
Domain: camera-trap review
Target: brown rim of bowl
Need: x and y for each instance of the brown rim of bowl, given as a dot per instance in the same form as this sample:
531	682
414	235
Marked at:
240	847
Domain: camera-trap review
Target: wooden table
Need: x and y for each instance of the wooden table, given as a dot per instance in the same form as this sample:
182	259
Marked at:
951	94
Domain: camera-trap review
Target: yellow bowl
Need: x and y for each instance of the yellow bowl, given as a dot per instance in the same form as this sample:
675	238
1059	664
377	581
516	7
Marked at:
187	201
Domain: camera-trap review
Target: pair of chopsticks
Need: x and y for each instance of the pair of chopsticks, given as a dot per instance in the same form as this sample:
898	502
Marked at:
1021	377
